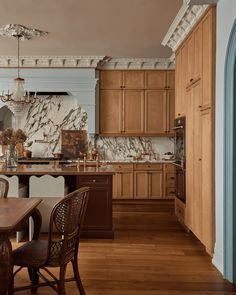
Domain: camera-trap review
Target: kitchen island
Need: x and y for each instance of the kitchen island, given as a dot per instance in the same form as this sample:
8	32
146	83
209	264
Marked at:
98	218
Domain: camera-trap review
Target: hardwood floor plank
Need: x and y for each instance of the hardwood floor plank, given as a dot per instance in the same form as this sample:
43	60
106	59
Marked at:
151	255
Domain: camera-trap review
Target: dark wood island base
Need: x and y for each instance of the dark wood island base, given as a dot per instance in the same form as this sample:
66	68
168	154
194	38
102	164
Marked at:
98	218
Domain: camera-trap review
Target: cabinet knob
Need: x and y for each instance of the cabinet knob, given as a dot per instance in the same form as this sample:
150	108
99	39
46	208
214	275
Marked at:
94	180
200	106
172	192
172	177
200	159
191	80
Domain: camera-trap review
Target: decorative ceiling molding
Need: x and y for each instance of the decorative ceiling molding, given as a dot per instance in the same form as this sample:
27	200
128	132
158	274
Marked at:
14	30
186	18
136	63
51	61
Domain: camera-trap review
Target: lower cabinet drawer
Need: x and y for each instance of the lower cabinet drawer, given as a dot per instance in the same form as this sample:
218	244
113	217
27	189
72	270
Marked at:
170	192
93	180
180	210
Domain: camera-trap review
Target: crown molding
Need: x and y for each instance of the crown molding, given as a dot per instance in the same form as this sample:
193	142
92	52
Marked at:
51	61
136	63
184	21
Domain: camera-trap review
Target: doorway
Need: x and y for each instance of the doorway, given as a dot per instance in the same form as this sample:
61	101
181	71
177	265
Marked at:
230	160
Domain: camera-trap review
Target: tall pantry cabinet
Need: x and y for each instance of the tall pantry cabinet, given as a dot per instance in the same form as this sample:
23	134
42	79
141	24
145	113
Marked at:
195	75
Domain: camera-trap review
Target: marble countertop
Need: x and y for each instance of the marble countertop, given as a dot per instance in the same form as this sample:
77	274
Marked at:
56	170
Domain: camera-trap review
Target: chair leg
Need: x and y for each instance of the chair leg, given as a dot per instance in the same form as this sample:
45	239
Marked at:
61	286
34	279
77	277
11	284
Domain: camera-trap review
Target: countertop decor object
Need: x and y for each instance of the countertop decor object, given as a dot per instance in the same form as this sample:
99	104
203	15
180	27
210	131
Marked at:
74	143
11	138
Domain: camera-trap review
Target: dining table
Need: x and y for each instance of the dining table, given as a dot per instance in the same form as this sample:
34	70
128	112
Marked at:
14	213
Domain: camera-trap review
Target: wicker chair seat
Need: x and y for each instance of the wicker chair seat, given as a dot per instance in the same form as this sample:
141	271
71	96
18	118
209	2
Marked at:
32	254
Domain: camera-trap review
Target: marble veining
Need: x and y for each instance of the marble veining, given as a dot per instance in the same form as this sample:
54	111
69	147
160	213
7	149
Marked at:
47	117
121	148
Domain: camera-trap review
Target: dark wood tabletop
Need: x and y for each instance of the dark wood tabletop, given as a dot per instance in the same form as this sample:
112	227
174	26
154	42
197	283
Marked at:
14	210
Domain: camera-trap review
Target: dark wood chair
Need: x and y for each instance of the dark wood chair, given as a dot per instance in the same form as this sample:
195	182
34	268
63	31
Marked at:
4	187
67	217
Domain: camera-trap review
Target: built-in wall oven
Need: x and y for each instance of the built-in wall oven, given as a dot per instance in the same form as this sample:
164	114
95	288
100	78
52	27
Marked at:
180	159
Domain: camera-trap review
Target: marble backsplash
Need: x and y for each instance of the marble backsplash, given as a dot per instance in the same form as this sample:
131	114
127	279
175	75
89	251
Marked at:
44	120
121	148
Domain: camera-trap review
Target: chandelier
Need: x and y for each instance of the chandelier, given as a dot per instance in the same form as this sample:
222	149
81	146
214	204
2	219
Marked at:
19	98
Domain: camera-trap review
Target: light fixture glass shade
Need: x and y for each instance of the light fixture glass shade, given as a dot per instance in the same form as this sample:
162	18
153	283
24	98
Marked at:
18	94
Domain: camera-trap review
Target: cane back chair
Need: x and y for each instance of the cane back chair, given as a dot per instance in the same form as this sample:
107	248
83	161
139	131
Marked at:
37	255
4	187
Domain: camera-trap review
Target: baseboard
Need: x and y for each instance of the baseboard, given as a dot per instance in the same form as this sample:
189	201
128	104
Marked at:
218	260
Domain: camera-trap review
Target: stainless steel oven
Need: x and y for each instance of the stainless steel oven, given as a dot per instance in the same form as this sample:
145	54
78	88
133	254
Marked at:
180	143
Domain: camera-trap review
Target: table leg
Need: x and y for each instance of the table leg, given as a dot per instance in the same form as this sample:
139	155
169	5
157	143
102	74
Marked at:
37	219
5	262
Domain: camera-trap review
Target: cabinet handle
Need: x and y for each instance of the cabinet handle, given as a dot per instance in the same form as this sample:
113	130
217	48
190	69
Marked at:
179	211
172	177
172	192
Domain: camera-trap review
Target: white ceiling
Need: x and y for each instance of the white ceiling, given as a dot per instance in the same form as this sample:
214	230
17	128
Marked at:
116	28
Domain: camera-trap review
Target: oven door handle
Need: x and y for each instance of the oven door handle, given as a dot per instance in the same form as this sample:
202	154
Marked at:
178	127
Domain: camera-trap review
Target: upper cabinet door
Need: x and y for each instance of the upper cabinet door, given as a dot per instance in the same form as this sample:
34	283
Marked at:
111	80
110	111
190	60
133	111
155	107
133	79
208	58
197	71
170	79
156	79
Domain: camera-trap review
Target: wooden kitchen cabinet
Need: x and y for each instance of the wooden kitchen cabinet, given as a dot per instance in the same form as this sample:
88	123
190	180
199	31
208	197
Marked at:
117	79
155	184
196	88
208	59
207	175
133	79
148	185
133	108
170	76
98	221
123	181
170	111
180	81
111	111
133	117
155	112
148	181
156	79
160	79
141	185
111	80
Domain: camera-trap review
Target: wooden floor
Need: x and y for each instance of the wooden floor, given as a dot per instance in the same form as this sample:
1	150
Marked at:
151	255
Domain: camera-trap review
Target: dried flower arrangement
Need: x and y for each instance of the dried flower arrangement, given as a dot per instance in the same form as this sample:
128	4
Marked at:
9	136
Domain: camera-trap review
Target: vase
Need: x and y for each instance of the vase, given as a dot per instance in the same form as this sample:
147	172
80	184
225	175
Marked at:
11	156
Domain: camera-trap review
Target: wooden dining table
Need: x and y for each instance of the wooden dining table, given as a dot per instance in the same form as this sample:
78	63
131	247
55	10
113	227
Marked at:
14	212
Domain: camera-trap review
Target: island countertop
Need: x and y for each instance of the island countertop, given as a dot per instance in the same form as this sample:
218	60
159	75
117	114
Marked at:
56	170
